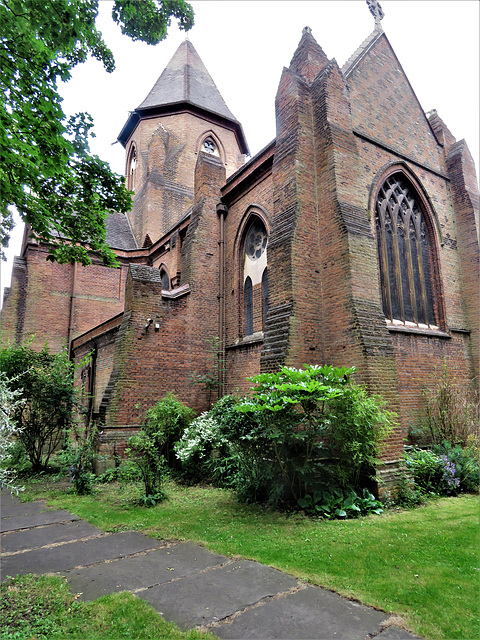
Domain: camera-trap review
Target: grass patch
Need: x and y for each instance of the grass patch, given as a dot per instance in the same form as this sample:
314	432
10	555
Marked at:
43	608
422	565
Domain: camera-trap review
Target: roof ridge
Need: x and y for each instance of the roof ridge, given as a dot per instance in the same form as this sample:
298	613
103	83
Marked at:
362	50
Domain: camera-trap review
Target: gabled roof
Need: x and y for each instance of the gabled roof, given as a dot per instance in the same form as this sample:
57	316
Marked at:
185	85
185	79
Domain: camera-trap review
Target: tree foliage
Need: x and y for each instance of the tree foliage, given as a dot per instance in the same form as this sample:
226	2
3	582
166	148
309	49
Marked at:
46	170
44	383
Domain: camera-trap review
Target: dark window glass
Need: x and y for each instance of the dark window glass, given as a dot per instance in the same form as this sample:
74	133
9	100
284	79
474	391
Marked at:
405	254
248	306
264	296
165	280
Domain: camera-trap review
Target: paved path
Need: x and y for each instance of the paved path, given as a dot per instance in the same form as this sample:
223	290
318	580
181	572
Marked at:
184	582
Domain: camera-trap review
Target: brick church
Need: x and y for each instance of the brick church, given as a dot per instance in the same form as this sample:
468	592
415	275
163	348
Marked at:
351	239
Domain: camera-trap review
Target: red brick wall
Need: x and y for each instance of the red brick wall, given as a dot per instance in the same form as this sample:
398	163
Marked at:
167	152
41	299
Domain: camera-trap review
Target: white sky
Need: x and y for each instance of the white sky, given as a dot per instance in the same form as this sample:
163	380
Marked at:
245	45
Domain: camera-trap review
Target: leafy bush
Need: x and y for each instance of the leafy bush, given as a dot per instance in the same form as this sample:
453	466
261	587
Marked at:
357	425
165	423
209	447
77	459
446	471
466	461
45	385
9	447
302	419
152	449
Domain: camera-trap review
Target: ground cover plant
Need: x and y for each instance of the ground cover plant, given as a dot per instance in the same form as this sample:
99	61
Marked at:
43	608
420	564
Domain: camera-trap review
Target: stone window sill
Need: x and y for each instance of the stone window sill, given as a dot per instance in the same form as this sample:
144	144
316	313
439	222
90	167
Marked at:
421	331
247	341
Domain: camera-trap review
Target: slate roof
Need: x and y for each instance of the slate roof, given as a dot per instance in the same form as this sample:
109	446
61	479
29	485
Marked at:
119	233
186	79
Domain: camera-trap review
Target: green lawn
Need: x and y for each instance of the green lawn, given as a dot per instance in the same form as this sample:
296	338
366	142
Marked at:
32	608
422	565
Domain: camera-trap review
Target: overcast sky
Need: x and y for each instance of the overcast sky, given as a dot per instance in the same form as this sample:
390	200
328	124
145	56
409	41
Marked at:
245	45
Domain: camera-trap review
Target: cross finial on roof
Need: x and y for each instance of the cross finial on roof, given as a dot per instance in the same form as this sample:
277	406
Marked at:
376	11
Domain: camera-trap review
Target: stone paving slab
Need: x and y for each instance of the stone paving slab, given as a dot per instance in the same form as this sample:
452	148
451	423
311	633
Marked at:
77	554
206	597
310	614
16	523
153	568
17	508
14	541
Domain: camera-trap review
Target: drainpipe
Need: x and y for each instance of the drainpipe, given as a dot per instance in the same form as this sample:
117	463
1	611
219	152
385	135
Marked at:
222	211
72	309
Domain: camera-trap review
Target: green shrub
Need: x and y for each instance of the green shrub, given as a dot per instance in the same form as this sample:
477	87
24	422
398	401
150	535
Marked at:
466	461
358	423
12	452
152	449
165	423
301	419
441	472
45	385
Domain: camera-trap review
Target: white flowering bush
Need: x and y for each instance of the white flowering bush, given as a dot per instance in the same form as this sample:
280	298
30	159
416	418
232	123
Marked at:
199	438
9	401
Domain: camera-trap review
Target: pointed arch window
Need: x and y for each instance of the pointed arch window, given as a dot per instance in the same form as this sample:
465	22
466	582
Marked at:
255	284
131	168
405	254
165	280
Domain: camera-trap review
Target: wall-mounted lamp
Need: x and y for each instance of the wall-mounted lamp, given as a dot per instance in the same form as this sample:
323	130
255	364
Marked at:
149	322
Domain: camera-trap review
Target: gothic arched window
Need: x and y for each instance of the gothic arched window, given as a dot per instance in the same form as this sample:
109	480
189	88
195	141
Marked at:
165	280
131	168
405	254
255	285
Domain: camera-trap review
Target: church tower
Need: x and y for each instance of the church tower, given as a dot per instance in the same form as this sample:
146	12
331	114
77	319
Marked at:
182	115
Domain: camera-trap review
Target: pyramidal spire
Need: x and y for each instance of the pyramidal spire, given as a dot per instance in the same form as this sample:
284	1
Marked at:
309	58
186	79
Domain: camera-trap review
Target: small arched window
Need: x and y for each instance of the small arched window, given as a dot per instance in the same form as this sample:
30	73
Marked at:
209	146
255	285
131	168
165	280
405	254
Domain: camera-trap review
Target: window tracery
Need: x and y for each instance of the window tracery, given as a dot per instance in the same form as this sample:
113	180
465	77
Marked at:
405	254
209	146
254	277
